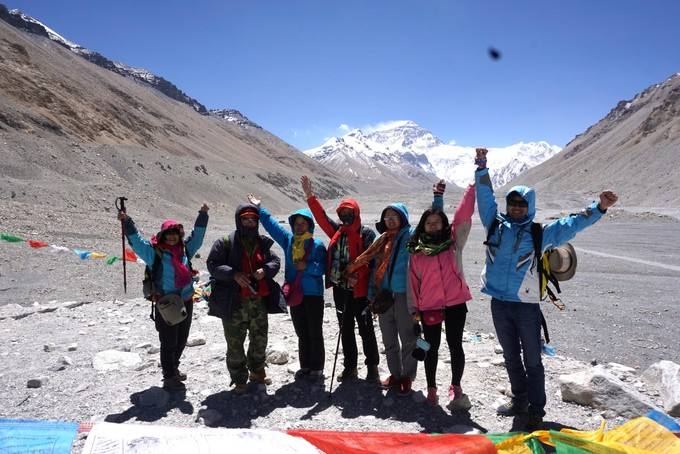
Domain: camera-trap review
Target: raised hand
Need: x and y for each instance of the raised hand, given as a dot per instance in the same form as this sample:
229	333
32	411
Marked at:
439	187
307	186
254	200
607	199
480	158
204	207
122	216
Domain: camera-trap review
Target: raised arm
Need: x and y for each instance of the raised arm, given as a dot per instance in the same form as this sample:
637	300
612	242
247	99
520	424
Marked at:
320	216
486	201
195	240
564	229
142	248
462	219
279	234
438	194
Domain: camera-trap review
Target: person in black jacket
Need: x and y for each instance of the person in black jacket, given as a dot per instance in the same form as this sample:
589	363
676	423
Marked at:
242	267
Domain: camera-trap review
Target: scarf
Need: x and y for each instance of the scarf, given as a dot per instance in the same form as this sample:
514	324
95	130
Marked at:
299	246
429	245
182	272
381	250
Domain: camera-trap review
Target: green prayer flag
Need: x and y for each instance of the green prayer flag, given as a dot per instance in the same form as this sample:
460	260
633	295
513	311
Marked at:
112	259
11	238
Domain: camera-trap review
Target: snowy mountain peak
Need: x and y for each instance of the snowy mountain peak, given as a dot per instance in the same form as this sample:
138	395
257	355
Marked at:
403	150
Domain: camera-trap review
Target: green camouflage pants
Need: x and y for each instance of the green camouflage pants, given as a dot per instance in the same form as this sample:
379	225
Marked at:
249	317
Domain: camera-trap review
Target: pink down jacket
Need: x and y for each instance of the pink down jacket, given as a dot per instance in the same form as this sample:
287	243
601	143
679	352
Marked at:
438	281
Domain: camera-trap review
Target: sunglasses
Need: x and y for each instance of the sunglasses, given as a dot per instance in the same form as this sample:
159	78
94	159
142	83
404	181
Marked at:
518	203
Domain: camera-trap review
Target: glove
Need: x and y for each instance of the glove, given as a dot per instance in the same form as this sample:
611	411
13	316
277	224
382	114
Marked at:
439	188
480	162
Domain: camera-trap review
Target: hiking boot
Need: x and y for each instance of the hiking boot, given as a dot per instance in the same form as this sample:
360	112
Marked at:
389	382
301	373
458	401
240	389
404	387
173	384
511	408
432	397
316	374
260	376
373	374
534	419
348	374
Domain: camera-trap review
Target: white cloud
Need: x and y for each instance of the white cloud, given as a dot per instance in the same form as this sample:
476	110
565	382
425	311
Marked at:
344	128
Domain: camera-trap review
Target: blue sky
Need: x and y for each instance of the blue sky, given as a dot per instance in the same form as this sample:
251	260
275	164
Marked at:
302	68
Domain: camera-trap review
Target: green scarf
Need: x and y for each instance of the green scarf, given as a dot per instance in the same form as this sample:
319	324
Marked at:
429	246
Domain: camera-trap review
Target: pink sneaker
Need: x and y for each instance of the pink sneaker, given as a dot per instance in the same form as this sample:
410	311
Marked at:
432	398
455	392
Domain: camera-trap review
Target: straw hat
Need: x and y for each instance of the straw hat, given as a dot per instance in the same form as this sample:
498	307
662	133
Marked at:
563	262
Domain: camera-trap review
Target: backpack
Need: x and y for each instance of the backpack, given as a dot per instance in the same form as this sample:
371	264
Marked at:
542	264
152	274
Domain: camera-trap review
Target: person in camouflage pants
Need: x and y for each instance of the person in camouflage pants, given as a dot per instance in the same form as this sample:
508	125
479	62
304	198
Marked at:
242	268
249	318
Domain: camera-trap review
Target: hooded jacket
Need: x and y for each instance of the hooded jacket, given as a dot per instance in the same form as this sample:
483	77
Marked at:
225	260
312	277
365	237
436	282
146	250
509	273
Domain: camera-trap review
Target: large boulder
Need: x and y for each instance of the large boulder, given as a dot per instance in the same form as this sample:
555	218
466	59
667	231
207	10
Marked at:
599	388
277	354
665	377
109	360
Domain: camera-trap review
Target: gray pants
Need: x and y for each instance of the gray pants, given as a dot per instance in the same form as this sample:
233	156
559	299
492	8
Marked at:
397	324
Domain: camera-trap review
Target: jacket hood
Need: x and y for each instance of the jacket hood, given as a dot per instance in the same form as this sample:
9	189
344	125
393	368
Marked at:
401	209
527	194
305	213
354	205
168	224
240	209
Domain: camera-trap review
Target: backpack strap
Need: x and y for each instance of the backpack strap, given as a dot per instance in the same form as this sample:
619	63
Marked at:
489	233
154	273
394	260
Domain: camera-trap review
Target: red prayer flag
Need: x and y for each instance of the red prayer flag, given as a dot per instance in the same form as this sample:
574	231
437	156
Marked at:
130	255
37	244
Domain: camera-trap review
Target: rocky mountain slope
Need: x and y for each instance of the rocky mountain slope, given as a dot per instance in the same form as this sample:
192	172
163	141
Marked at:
403	152
634	149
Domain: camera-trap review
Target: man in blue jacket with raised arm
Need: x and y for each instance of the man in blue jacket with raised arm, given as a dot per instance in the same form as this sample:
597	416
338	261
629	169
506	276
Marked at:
510	278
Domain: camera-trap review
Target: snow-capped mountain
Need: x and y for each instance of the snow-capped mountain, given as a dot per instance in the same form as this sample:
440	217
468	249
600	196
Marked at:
403	150
234	116
20	20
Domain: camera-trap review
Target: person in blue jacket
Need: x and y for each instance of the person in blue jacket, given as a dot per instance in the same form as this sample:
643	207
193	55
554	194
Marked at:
307	255
510	278
174	277
389	273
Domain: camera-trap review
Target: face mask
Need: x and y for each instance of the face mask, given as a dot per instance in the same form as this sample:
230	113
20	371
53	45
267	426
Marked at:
346	219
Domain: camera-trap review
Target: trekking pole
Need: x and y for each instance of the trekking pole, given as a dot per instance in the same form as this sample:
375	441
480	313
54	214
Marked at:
120	205
337	345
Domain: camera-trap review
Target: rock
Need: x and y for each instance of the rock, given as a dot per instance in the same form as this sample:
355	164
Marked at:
72	347
49	347
153	350
37	382
154	397
497	349
146	365
196	339
277	354
65	360
144	345
665	377
209	417
498	362
109	360
599	388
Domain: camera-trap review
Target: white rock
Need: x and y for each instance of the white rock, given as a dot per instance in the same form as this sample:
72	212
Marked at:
277	354
497	349
498	362
665	377
154	397
196	339
153	350
109	360
209	417
65	360
144	345
599	388
72	347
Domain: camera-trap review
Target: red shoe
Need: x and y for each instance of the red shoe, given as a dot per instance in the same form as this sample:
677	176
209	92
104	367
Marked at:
389	382
404	387
432	398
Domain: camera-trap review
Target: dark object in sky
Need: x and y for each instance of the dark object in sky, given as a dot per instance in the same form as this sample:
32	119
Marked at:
495	54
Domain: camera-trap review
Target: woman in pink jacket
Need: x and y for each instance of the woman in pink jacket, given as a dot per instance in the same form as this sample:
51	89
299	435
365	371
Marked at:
439	291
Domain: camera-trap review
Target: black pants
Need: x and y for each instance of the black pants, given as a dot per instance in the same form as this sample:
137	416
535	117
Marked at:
173	340
348	310
454	318
308	322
